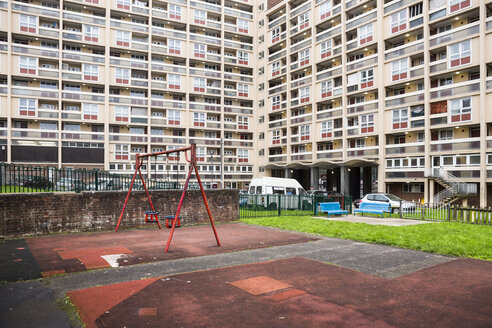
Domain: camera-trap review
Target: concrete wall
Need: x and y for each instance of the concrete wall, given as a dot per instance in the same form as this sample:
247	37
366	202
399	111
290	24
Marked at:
40	213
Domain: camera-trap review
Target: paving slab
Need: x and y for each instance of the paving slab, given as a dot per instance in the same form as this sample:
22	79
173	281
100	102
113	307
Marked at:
17	261
298	292
393	222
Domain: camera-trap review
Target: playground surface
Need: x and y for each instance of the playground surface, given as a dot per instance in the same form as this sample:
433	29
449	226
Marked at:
259	277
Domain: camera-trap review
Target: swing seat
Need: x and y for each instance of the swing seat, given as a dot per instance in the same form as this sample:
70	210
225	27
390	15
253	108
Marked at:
169	221
152	217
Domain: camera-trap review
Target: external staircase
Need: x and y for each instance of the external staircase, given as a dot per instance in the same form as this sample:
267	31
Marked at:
455	188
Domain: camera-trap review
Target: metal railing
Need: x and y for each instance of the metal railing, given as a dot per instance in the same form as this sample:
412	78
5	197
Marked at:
258	205
25	178
445	212
455	187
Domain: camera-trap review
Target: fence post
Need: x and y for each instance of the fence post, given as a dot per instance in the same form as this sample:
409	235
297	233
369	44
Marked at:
449	212
96	180
278	205
401	209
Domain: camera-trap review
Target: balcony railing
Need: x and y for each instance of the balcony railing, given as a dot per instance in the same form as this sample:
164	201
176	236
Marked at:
361	19
35	9
329	154
454	34
84	18
405	99
455	89
408	148
404	50
37	51
455	145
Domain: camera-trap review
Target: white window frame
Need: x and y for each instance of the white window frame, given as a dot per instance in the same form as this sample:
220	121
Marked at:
276	68
123	38
121	113
28	23
243	57
305	132
174	81
91	33
199	84
461	109
399	21
367	78
90	111
366	34
175	11
174	117
199	16
123	75
243	90
199	50
326	89
91	71
325	48
304	57
174	46
327	129
462	4
242	26
325	10
276	34
399	69
400	118
276	102
199	119
276	136
243	155
303	20
304	94
461	51
123	151
366	122
29	106
243	122
28	65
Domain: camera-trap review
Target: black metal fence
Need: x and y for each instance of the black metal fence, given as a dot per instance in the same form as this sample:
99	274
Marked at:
255	205
25	178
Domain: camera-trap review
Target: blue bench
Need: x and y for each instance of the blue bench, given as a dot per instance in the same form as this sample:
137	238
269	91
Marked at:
331	208
373	208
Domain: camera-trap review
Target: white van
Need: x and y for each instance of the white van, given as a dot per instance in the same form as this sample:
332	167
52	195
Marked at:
260	190
269	186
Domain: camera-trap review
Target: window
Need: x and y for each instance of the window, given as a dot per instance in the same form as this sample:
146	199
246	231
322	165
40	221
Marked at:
276	34
198	84
200	16
243	155
365	34
122	75
91	33
27	107
327	129
121	152
399	21
304	94
326	89
121	113
90	111
91	72
174	46
416	10
122	38
200	153
198	119
303	21
174	12
305	132
304	57
276	68
367	123
456	5
326	49
123	4
399	69
174	81
413	187
243	90
276	137
199	50
243	57
367	78
446	135
325	10
460	53
28	23
400	118
242	25
460	109
28	65
275	102
174	117
243	122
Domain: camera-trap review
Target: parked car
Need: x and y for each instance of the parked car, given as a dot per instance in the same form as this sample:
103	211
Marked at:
393	200
38	182
324	193
64	184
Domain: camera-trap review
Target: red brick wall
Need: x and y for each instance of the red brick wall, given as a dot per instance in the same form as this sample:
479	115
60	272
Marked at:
397	190
38	213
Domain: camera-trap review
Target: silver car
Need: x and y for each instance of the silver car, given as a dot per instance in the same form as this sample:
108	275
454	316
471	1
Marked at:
393	200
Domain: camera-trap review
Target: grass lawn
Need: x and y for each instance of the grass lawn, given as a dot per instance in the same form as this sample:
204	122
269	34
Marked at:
449	238
14	189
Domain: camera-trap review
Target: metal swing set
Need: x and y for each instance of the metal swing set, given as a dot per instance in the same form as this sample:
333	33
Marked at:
153	213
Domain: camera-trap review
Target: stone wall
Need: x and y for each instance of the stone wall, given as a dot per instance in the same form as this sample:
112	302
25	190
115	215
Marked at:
40	213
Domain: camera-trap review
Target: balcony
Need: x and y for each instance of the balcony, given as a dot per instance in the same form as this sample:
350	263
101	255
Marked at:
129	100
362	63
167	103
207	6
405	99
34	92
84	136
36	51
168	68
363	152
405	149
82	56
278	88
361	19
336	30
300	82
277	123
277	21
236	45
362	107
330	72
238	13
205	106
455	89
35	9
83	18
301	156
330	154
77	95
205	39
205	72
48	72
282	158
277	55
404	50
454	34
238	77
34	134
50	32
126	137
464	144
301	119
168	32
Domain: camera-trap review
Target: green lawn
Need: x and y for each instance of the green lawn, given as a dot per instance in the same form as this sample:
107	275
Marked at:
449	238
6	189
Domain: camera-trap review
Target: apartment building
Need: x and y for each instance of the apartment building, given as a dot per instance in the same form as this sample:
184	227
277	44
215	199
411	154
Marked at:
91	83
352	96
361	96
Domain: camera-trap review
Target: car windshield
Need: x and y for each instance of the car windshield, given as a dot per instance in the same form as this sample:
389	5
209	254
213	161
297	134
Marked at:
393	197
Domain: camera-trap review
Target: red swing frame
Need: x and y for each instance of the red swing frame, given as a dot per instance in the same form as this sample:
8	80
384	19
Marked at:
192	161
